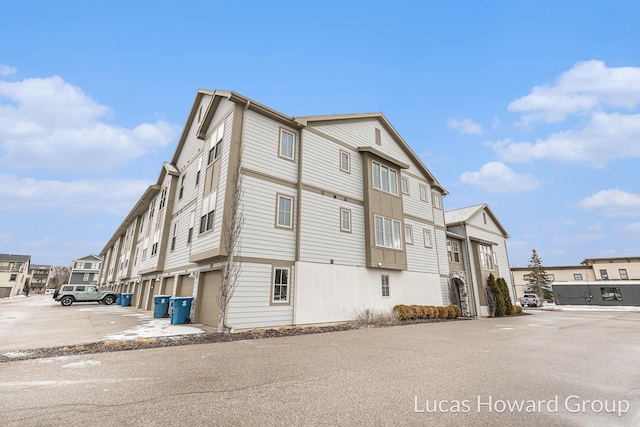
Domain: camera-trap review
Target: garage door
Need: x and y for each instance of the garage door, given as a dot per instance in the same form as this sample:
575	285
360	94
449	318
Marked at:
206	302
185	287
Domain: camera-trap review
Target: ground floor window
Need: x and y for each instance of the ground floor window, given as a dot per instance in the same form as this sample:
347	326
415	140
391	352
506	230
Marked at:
280	285
611	294
385	285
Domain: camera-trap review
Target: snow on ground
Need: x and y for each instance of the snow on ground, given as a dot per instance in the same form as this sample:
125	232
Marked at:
555	307
152	328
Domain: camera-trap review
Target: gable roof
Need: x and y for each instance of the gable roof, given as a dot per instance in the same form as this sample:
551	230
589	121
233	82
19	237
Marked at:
18	258
306	120
464	215
89	257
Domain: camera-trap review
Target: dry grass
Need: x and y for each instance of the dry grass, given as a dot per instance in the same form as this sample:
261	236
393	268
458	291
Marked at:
369	317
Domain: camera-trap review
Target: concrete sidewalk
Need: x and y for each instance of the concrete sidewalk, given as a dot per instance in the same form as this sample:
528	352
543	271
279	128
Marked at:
38	321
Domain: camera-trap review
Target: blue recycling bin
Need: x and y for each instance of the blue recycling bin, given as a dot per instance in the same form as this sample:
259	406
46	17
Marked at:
181	309
118	299
125	299
161	306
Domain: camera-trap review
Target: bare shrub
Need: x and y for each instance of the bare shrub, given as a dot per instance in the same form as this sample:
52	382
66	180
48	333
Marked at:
371	318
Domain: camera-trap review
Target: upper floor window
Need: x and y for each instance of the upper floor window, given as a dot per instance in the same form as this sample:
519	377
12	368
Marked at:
623	274
387	233
577	276
453	251
427	239
385	179
437	201
404	183
604	275
486	256
206	221
182	182
345	161
284	212
424	193
152	208
345	220
163	198
551	277
287	140
408	235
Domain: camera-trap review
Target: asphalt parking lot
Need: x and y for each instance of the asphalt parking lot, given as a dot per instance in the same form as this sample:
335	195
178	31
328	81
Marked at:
39	321
576	368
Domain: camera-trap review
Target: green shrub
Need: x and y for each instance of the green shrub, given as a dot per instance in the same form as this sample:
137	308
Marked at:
504	288
497	294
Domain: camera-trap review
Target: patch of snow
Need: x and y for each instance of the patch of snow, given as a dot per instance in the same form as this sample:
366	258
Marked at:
16	354
555	307
154	328
82	364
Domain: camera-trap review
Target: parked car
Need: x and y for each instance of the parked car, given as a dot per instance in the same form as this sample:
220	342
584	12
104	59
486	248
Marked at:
531	300
68	294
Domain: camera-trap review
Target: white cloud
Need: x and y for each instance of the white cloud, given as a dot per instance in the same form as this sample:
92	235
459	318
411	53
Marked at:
466	126
5	70
111	195
588	86
48	123
496	177
612	203
605	138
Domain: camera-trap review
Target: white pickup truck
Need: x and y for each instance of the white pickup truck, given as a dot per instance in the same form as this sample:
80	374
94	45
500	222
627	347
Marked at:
531	300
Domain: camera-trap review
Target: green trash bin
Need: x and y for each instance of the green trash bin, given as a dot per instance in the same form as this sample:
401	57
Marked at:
181	309
161	306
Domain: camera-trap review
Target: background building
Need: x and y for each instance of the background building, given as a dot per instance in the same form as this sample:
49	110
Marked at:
14	274
85	270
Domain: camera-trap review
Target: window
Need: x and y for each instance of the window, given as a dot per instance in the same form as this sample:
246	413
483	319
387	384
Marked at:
387	233
427	239
141	225
182	181
215	152
486	256
623	274
285	212
424	193
551	277
280	285
408	235
190	235
154	249
85	277
453	251
173	238
604	275
345	161
378	137
526	277
577	276
437	201
385	285
206	221
80	288
286	144
611	294
385	179
152	208
345	220
163	198
198	177
405	185
13	278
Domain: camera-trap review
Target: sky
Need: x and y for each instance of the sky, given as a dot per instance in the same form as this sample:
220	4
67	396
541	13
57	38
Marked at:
531	107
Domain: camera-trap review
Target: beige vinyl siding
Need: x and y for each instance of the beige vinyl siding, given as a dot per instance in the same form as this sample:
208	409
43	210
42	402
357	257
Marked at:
192	144
420	258
260	237
211	240
261	145
321	167
224	107
362	134
438	214
477	221
413	205
320	237
439	238
251	305
180	255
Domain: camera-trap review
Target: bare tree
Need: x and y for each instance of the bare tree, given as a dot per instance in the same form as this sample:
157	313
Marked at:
60	275
231	236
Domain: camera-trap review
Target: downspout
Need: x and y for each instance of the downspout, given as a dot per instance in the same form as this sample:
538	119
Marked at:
472	290
244	115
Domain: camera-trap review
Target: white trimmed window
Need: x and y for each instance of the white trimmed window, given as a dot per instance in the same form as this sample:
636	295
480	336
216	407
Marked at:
345	220
424	193
285	212
405	185
486	256
206	221
385	286
280	285
345	161
163	198
287	140
182	182
437	201
427	239
174	236
408	235
387	233
385	179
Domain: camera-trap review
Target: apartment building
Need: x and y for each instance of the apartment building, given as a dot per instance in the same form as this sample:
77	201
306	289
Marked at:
476	248
14	274
38	278
339	215
85	270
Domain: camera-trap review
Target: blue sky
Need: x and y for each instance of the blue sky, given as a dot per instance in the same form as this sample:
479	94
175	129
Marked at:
528	106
